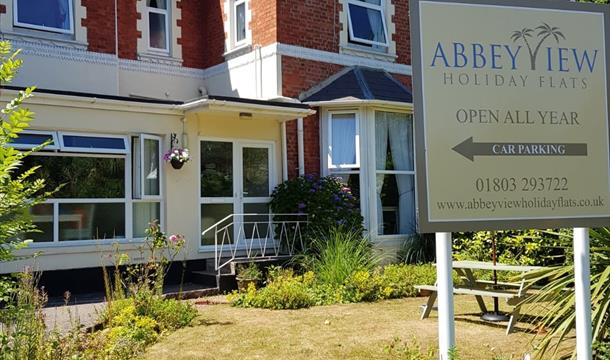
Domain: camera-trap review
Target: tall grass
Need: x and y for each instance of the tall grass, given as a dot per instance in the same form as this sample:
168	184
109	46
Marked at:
336	255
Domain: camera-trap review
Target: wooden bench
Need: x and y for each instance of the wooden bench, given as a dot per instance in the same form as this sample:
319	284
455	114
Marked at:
513	298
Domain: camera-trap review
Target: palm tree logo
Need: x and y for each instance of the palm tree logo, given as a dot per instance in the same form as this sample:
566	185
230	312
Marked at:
544	32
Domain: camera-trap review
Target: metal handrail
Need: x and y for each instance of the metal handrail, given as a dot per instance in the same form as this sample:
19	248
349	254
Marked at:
229	242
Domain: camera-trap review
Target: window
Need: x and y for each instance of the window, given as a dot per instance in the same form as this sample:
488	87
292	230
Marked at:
81	209
94	201
344	149
29	139
92	143
158	25
344	141
239	21
146	182
367	22
394	173
146	160
47	15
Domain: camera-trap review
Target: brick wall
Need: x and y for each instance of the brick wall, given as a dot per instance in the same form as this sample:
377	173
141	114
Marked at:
213	41
100	25
402	34
196	16
297	76
128	32
264	21
310	23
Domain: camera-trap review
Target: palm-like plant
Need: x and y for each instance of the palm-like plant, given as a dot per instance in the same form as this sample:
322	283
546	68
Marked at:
544	32
556	299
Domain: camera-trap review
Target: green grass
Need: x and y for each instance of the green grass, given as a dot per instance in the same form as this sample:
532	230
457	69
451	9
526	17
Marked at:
353	331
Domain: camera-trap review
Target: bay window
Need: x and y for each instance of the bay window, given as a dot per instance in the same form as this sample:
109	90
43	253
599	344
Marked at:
158	25
108	187
394	173
48	15
372	152
366	22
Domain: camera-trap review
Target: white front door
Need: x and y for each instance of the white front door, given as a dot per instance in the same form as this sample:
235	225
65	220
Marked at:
236	177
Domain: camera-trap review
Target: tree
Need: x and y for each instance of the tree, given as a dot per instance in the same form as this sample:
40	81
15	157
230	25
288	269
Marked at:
19	191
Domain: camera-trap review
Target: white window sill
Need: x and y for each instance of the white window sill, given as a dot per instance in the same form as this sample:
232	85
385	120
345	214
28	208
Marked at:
159	58
237	51
352	49
44	38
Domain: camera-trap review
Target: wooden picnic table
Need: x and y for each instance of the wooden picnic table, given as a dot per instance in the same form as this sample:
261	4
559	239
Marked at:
512	292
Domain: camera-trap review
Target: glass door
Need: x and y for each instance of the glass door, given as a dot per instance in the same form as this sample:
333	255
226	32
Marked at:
256	186
236	177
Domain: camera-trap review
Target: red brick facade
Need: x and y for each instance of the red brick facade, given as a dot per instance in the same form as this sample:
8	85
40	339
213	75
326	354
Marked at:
128	31
264	21
299	75
100	26
312	24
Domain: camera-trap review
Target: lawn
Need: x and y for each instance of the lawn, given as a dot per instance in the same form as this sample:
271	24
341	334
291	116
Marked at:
353	331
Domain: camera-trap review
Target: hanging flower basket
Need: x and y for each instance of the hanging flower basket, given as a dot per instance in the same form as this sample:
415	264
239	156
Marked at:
176	164
177	157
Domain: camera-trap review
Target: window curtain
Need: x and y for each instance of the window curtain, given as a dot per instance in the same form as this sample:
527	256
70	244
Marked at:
343	151
381	153
398	128
376	23
64	14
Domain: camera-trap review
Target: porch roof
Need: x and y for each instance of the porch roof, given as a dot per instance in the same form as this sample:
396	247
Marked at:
359	84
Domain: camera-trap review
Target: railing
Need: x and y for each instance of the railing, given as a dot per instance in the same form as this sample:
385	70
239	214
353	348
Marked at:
256	237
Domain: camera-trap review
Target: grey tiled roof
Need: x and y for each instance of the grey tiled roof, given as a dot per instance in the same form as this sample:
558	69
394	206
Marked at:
361	83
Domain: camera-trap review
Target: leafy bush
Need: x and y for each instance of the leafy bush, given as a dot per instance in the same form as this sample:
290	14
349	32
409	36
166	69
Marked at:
554	303
326	201
336	255
401	279
602	350
528	247
417	249
284	290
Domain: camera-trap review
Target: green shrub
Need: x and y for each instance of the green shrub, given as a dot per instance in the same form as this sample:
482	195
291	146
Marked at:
527	247
336	255
327	202
399	280
284	290
417	249
602	350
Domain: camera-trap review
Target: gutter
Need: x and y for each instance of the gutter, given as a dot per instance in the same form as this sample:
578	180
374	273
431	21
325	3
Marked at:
226	105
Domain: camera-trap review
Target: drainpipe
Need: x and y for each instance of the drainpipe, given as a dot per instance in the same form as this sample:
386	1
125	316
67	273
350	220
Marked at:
284	153
116	46
301	147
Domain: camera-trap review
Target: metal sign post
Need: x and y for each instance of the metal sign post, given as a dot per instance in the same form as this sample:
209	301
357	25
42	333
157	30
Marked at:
582	289
444	283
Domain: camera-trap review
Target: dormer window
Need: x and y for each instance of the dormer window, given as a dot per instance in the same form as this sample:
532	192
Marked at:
158	25
49	15
367	23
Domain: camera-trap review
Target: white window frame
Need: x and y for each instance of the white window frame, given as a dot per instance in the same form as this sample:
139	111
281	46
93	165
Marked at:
56	202
52	134
17	23
380	8
331	166
144	196
238	43
373	172
166	13
62	147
